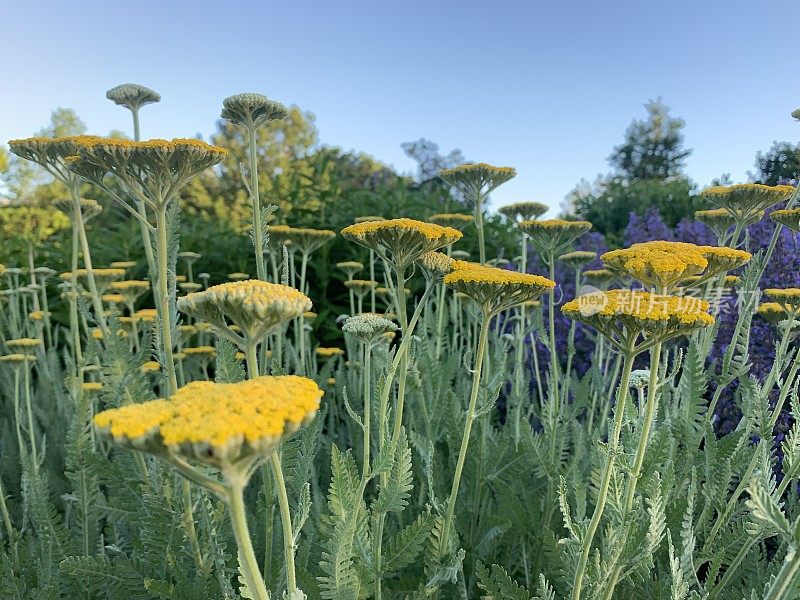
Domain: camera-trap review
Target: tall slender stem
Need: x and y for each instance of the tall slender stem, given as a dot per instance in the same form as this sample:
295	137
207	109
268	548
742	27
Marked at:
784	582
286	524
87	260
462	453
479	225
29	409
608	467
367	376
164	298
258	238
247	557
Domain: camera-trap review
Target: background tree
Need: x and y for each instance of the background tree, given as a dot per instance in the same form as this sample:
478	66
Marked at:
779	164
648	172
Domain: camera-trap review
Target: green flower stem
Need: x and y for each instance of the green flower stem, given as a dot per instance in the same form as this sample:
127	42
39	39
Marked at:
644	437
258	233
462	453
647	424
251	356
479	225
372	278
367	376
87	260
17	424
784	582
608	467
35	296
280	484
286	524
164	297
12	542
400	293
247	557
29	410
140	206
269	521
352	297
188	513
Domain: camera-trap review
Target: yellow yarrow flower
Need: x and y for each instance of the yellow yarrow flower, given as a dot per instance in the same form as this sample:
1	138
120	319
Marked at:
455	220
746	200
664	265
497	289
787	217
523	211
329	352
623	316
257	307
24	343
553	235
401	241
217	424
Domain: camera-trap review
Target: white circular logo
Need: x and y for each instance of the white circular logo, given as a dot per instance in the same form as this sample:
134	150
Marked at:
591	300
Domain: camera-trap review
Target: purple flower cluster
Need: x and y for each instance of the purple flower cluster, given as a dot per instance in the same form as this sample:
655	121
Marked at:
783	271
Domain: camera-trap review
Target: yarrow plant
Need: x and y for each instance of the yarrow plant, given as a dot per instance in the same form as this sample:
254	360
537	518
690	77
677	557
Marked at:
543	418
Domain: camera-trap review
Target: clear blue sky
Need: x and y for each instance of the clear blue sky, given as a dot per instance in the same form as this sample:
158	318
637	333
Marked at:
546	87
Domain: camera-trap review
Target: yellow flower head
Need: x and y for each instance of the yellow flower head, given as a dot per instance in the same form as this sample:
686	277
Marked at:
113	298
103	278
207	352
50	153
497	289
17	358
123	264
146	315
132	289
455	220
92	386
329	352
623	316
553	235
787	298
477	179
351	267
436	264
772	312
255	306
238	276
189	286
401	241
578	258
722	258
719	220
361	286
787	217
24	343
745	200
36	315
153	170
309	315
665	265
368	218
308	240
217	424
524	211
